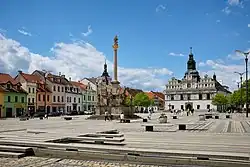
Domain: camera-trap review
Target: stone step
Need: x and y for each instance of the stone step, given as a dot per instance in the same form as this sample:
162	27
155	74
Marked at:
15	149
11	154
120	139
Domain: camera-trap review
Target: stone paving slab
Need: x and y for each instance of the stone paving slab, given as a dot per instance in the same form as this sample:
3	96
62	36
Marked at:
229	135
56	162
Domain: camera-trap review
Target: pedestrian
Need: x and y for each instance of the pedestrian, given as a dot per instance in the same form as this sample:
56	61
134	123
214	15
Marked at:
149	115
122	117
106	115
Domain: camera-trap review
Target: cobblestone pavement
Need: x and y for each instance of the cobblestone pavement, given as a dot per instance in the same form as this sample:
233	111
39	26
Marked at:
56	162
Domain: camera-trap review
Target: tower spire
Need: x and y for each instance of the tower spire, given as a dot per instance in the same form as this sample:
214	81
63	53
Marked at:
191	50
105	70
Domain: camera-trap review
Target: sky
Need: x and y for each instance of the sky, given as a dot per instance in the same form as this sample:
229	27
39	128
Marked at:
75	38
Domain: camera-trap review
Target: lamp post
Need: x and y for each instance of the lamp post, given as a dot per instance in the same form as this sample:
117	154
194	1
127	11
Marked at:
45	94
241	74
246	61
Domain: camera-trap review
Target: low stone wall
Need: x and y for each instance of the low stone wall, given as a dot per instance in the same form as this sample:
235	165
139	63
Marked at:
116	110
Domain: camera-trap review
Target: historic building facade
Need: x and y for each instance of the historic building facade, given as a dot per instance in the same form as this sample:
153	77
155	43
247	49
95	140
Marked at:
73	96
56	84
29	84
15	97
43	93
192	92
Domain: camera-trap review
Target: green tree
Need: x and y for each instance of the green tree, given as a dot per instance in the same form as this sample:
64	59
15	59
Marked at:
128	101
221	101
141	99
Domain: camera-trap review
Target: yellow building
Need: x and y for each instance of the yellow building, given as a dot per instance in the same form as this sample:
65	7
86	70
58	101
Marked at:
1	102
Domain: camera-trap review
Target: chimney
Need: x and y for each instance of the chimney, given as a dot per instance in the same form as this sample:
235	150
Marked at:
20	71
63	76
59	73
69	78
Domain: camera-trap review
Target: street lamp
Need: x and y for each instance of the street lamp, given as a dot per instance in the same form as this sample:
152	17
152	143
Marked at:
241	74
246	61
45	77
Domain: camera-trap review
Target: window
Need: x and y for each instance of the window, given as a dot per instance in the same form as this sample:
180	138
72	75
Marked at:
16	99
58	88
84	97
188	96
22	100
93	98
43	97
200	96
67	99
70	99
58	98
29	90
172	106
182	107
33	90
8	98
79	100
54	98
8	86
89	98
47	97
208	106
74	100
79	108
39	97
62	99
33	100
54	88
172	97
198	107
208	96
181	97
28	100
62	89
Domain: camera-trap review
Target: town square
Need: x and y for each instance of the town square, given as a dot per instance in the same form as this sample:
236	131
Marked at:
163	86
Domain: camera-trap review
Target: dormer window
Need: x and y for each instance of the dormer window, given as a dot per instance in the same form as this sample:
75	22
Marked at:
8	86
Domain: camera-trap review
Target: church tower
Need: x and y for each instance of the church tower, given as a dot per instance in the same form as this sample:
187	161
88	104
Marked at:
191	73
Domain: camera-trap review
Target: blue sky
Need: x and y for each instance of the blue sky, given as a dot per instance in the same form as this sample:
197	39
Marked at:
153	34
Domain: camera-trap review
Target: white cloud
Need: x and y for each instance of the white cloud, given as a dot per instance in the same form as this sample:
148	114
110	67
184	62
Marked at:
76	60
237	56
248	25
22	31
89	31
224	73
235	3
160	8
226	10
176	54
217	21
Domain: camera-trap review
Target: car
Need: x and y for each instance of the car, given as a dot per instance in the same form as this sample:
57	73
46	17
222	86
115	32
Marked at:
39	114
54	114
74	112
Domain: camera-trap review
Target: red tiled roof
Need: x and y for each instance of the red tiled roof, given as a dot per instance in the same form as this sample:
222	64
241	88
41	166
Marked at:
31	78
150	95
159	94
4	78
79	84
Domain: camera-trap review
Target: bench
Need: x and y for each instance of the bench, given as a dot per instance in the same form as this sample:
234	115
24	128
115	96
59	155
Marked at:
145	120
216	117
150	127
68	118
127	120
41	118
202	117
183	126
208	116
174	116
228	116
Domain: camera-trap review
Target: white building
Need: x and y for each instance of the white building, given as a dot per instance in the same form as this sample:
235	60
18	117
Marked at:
73	96
192	92
56	84
89	101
